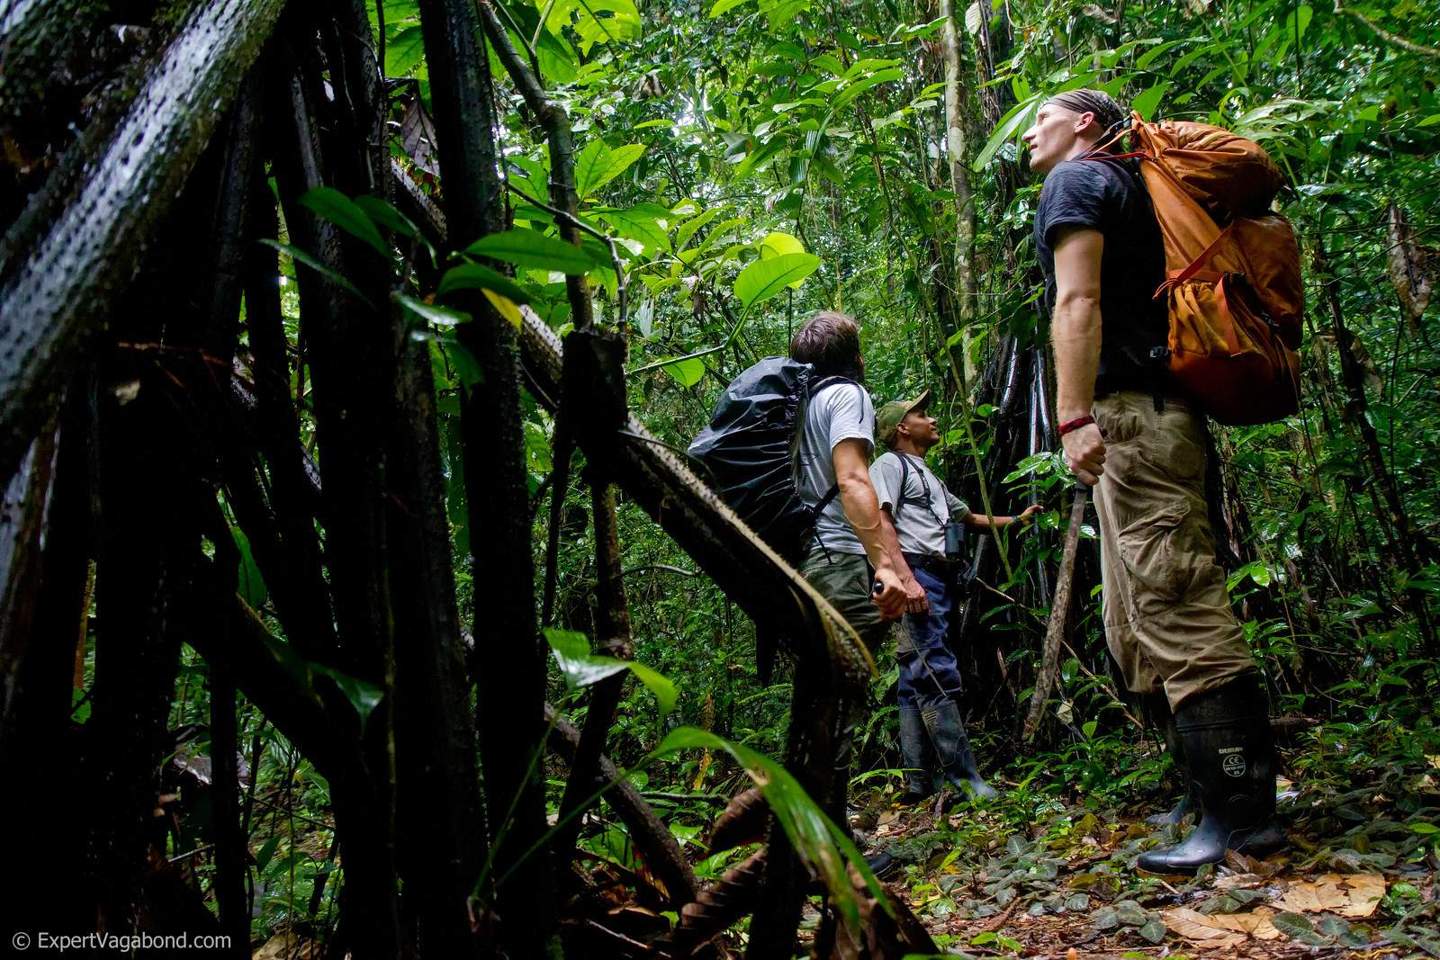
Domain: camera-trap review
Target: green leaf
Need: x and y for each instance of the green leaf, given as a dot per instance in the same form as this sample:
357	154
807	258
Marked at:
527	248
384	213
1146	102
860	86
823	845
763	279
1017	120
590	162
777	244
686	372
266	852
429	312
363	695
250	585
638	226
404	52
475	276
301	257
692	226
724	6
340	210
580	667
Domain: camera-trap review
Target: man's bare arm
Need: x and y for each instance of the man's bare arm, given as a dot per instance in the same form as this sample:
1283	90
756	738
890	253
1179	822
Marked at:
1075	333
876	532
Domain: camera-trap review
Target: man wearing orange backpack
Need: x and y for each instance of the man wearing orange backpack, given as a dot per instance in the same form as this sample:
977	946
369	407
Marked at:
1132	432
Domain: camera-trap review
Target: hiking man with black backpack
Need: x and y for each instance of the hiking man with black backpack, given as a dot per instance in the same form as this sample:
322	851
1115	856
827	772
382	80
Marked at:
854	559
1128	433
924	511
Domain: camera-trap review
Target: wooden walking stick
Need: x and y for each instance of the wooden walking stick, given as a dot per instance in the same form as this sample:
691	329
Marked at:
1059	610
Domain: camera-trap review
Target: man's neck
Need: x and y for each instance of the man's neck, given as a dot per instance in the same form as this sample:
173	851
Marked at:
1082	147
906	445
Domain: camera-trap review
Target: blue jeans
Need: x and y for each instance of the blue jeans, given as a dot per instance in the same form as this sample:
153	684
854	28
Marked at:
928	672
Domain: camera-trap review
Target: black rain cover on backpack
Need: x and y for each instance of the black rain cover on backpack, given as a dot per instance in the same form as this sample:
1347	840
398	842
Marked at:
748	453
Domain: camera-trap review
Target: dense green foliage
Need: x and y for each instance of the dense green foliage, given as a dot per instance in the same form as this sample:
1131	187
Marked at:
750	162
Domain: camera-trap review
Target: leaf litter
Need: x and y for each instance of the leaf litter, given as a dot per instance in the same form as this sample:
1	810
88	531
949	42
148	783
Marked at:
1358	879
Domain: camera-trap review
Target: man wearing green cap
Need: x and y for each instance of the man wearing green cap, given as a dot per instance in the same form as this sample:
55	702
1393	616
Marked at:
921	507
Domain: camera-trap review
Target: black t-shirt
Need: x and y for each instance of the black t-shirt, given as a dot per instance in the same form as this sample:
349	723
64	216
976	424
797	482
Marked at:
1107	195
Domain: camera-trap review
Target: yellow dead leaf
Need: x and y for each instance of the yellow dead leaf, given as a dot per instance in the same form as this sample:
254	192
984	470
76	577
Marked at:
505	306
1348	894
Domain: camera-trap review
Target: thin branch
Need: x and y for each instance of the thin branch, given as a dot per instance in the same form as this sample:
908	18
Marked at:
563	219
1386	35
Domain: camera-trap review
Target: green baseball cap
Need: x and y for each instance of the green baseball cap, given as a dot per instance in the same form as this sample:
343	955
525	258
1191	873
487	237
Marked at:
887	420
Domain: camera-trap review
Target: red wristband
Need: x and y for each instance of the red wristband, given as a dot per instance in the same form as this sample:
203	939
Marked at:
1076	424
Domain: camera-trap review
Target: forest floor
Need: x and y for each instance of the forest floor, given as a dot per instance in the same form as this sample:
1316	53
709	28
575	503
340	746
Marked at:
1036	877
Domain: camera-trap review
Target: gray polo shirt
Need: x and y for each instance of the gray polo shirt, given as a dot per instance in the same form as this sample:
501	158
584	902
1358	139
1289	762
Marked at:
925	503
841	411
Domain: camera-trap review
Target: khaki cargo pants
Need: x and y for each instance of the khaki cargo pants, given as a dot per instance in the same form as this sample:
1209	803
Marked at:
1168	620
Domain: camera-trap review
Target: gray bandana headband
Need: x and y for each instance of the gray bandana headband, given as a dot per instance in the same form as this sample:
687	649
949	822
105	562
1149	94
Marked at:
1107	111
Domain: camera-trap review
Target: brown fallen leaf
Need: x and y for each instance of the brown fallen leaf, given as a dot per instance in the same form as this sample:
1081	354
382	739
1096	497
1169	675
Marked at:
1221	929
1351	895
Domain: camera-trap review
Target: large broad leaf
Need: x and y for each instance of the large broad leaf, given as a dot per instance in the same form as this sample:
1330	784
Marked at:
580	667
527	248
777	244
763	279
1146	102
597	164
404	51
638	225
687	372
340	210
725	6
823	845
474	276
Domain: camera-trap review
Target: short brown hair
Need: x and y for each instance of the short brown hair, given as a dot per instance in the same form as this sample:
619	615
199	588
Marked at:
831	342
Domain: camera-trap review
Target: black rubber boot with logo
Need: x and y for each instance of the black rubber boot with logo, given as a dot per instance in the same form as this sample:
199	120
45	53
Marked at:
952	748
916	755
1225	733
1158	706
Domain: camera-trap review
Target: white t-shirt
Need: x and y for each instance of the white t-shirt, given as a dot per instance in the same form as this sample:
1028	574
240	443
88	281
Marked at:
926	504
841	411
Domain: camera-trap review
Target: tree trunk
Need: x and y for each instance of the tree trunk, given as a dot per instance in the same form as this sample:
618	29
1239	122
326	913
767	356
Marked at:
73	277
512	682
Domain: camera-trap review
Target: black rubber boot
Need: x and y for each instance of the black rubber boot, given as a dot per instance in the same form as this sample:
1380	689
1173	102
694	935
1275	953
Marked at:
1231	759
916	755
1158	706
952	748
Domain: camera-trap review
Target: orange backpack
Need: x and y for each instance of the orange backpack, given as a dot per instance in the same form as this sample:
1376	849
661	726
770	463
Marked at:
1234	292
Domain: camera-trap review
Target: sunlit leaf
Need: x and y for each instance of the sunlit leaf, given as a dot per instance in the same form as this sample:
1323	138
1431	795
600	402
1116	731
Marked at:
580	667
686	372
724	6
505	307
763	279
430	312
823	845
